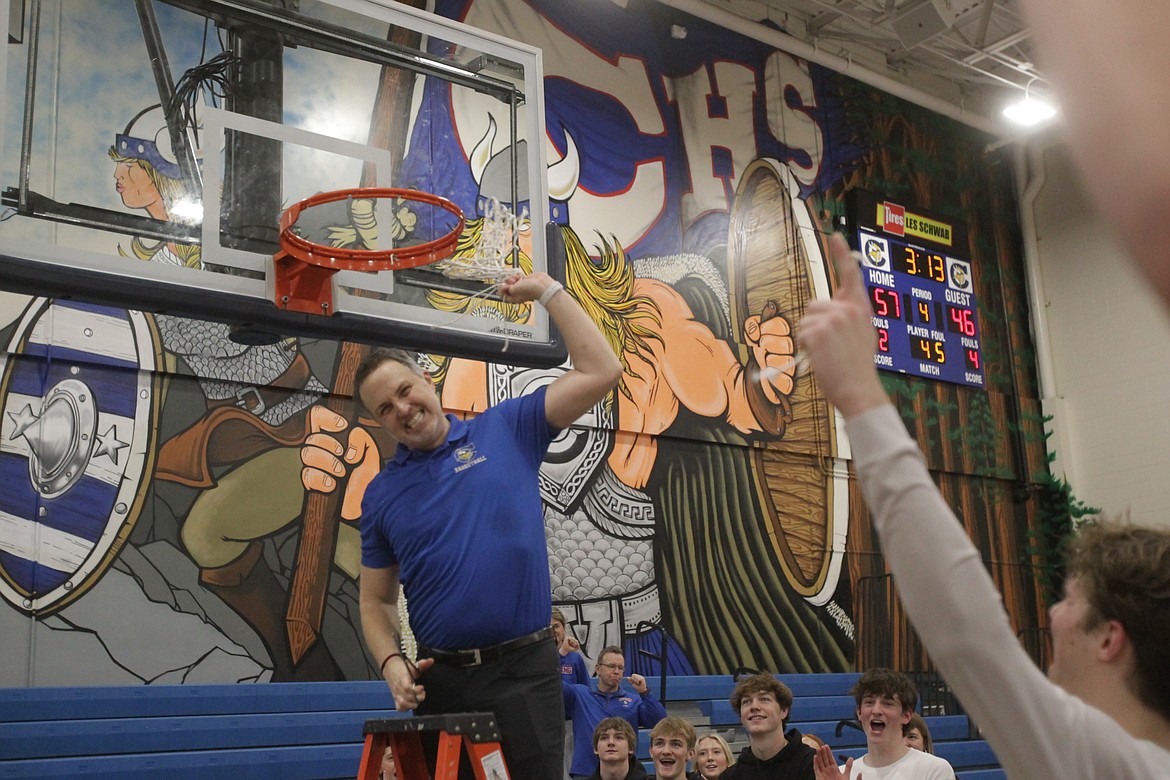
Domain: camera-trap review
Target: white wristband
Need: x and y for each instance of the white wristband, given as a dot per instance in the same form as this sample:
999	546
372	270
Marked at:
546	296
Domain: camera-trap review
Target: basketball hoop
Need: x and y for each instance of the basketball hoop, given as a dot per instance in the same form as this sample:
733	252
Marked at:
303	268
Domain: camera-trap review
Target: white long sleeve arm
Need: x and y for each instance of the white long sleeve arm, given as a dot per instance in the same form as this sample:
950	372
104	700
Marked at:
1036	729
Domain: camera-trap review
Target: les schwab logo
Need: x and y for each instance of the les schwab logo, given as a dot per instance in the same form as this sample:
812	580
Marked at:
893	220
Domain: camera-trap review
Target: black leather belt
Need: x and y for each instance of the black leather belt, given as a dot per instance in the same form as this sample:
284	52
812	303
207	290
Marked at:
482	655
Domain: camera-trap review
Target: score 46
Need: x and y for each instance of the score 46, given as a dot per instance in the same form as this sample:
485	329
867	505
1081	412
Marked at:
960	320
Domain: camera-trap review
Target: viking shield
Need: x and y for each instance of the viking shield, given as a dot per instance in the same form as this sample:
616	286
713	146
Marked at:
775	262
80	396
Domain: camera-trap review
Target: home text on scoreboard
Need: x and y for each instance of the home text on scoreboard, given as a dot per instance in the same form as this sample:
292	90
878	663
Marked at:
921	289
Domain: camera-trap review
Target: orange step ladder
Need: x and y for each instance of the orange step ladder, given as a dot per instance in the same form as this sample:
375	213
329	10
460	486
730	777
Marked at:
475	732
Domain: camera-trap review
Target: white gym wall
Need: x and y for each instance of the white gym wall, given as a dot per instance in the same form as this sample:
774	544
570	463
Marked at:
1108	338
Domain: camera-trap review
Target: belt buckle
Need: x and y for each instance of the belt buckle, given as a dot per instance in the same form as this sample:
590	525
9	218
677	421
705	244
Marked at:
477	659
250	400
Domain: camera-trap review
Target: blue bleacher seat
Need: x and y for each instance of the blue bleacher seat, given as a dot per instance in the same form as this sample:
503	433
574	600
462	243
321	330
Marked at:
812	708
942	727
984	774
313	731
17	704
285	731
285	763
968	753
198	732
719	686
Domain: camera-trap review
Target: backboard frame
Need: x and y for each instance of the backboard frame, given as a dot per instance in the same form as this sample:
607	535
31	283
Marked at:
243	299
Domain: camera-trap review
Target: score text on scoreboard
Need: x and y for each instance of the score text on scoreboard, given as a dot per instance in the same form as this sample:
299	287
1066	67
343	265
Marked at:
924	307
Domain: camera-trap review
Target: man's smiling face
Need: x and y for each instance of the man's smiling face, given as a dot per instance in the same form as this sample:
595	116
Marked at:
405	403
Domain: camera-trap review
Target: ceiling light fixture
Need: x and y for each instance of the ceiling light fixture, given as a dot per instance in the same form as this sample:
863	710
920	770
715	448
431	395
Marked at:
1029	110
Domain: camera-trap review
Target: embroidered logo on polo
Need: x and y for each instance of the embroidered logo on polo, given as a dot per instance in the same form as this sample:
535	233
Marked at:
465	457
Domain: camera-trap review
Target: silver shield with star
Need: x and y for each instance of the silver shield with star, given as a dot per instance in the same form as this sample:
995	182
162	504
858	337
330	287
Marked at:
80	395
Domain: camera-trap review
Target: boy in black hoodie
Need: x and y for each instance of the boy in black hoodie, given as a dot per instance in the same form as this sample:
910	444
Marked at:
763	703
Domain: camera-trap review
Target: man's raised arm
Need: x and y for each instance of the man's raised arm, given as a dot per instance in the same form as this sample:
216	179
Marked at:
596	369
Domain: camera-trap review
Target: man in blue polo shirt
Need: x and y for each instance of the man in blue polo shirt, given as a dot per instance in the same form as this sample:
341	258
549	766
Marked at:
588	705
456	518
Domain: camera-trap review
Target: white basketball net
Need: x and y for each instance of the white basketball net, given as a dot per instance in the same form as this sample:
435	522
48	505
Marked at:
489	263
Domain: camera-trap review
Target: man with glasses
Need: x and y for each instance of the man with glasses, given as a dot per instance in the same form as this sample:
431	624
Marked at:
588	705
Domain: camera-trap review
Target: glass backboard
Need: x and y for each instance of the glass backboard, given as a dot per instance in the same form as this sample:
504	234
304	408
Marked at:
150	147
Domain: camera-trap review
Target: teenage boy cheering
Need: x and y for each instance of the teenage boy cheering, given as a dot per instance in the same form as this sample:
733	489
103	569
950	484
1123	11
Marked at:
885	701
1104	710
672	745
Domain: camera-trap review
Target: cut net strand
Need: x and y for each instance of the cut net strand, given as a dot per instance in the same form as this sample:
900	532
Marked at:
489	262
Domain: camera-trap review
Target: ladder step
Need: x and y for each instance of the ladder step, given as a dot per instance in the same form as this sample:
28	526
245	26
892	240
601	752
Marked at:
475	733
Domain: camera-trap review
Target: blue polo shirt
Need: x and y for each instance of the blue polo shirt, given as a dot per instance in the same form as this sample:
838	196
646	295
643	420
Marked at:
588	706
465	525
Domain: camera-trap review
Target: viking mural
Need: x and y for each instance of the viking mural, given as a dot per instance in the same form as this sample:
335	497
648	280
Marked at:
699	516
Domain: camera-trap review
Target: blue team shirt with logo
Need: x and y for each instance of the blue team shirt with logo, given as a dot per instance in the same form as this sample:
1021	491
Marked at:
465	525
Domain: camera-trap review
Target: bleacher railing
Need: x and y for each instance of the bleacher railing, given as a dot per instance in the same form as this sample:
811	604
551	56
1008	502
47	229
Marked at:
648	627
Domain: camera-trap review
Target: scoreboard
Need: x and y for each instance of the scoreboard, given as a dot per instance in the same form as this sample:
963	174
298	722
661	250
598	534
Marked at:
921	289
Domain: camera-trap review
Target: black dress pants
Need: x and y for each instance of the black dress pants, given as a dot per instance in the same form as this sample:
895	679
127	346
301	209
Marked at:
523	690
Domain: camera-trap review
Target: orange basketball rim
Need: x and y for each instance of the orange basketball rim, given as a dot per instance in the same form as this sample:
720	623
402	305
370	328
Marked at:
304	269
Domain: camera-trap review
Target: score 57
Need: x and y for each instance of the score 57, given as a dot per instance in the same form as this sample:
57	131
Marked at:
886	303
